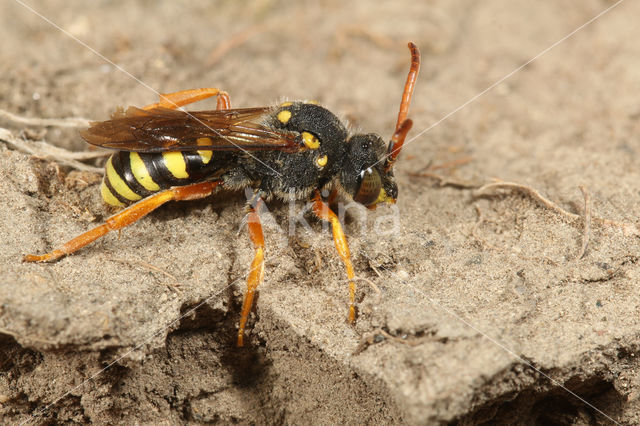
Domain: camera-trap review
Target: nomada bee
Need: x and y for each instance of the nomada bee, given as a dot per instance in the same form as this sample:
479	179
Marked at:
291	151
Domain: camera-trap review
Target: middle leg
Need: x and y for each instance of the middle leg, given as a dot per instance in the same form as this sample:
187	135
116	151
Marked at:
184	97
256	273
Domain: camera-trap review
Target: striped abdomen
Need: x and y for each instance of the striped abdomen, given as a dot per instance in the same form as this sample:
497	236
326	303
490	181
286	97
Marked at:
131	176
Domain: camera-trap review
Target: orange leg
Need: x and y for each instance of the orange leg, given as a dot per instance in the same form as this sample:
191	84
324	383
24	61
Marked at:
333	196
256	274
322	210
185	97
128	216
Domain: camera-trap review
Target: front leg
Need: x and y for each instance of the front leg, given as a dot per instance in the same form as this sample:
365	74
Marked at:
324	212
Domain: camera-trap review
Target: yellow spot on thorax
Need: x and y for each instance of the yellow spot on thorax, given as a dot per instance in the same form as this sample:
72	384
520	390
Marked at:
310	140
284	104
141	173
176	164
322	161
284	116
118	184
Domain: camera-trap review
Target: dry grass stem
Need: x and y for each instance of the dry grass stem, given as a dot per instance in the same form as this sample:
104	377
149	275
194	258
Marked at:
44	149
45	122
373	286
531	192
628	229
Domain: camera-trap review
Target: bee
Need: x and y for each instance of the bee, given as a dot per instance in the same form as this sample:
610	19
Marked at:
295	150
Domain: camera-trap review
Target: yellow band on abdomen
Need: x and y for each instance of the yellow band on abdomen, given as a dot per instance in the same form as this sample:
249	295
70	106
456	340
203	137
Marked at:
141	173
119	185
175	164
205	156
108	197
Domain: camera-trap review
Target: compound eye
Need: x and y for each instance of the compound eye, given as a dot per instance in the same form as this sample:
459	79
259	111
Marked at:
369	187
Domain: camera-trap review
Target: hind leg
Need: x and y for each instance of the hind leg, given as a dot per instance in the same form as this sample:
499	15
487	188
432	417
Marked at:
126	217
256	273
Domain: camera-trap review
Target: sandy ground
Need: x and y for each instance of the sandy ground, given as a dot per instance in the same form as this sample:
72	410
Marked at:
490	308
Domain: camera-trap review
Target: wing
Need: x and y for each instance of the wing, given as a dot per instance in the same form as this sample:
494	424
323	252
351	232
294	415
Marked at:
163	129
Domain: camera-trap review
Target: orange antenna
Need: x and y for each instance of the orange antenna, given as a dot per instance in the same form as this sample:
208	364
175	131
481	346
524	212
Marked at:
404	124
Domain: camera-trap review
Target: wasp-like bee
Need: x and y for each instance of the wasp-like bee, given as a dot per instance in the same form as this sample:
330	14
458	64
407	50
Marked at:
291	151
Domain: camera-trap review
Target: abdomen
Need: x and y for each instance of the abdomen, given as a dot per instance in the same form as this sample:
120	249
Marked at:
132	176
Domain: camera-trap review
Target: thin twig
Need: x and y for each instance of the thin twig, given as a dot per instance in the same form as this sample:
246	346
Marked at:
44	149
628	229
372	285
586	234
374	269
54	122
528	191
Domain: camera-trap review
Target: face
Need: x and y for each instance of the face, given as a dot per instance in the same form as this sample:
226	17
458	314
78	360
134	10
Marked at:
363	175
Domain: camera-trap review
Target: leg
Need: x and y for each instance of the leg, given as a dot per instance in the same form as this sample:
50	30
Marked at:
128	216
185	97
333	196
256	274
322	210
